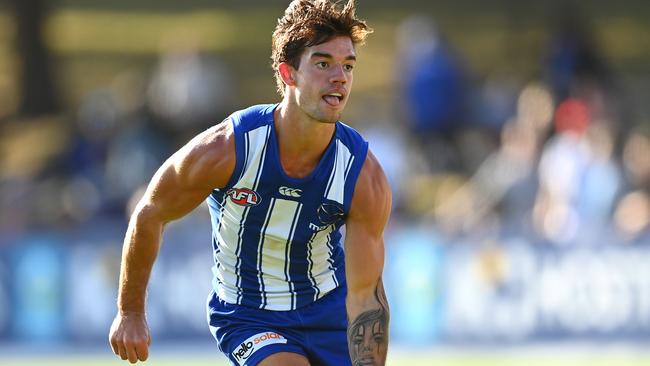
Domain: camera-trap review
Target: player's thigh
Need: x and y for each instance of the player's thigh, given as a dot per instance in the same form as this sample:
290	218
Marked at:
284	359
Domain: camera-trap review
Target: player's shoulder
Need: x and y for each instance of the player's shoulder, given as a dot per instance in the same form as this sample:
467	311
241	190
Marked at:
372	193
208	158
347	132
355	145
252	117
372	175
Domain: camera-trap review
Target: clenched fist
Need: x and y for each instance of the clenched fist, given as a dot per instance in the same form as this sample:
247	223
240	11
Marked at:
129	336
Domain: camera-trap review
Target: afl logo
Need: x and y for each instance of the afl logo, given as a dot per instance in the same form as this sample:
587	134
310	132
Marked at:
243	196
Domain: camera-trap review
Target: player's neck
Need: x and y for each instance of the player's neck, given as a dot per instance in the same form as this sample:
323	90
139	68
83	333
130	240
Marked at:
301	140
299	133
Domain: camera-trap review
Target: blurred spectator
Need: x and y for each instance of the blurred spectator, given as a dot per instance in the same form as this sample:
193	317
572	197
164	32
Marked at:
578	179
636	159
434	90
631	218
190	90
573	55
495	102
575	67
97	122
134	155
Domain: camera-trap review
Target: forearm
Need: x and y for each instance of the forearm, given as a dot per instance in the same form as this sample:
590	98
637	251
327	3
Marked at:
368	316
139	252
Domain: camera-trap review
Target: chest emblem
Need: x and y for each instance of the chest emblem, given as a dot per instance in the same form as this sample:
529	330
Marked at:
290	192
329	213
243	196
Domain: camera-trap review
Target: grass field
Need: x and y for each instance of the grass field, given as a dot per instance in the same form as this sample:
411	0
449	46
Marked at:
545	356
437	361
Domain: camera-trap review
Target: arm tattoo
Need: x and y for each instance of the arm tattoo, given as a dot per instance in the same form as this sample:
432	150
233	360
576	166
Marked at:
368	333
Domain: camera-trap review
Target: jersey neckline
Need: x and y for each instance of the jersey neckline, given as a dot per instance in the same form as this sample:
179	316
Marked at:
276	149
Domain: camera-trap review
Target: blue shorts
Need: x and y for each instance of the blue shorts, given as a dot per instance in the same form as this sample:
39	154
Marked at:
317	331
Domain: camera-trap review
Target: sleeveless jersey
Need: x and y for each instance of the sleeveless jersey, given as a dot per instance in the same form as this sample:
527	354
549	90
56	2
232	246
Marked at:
276	239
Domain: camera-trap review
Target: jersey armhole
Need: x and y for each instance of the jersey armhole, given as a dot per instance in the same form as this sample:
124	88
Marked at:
240	153
357	165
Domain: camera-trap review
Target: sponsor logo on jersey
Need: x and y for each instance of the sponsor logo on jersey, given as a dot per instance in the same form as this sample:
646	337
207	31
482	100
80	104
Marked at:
317	228
243	196
290	192
252	344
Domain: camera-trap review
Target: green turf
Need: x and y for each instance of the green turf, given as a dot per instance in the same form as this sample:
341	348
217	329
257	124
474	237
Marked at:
393	361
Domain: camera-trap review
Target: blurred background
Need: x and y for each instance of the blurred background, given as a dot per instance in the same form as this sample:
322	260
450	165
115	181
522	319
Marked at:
515	135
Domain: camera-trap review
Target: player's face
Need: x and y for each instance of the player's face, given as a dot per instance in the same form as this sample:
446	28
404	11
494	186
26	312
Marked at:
324	79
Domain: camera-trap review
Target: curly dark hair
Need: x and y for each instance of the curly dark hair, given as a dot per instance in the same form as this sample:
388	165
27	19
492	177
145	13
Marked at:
308	23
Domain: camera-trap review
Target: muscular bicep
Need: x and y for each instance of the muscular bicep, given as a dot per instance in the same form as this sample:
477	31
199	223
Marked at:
369	212
364	257
190	175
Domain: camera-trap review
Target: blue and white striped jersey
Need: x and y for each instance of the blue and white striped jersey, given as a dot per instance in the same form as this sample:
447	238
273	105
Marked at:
276	239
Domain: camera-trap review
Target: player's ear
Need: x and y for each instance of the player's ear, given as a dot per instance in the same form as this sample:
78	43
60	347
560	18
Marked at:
286	72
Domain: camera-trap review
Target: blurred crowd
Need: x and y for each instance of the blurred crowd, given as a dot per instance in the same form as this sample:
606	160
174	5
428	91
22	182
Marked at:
556	158
96	167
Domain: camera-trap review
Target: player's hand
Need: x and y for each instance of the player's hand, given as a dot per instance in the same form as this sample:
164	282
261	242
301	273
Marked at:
129	336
